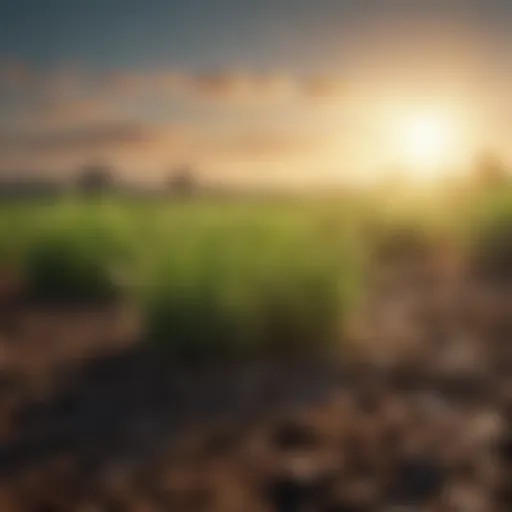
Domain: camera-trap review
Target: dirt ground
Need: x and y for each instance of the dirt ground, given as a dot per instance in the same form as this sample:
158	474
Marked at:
415	415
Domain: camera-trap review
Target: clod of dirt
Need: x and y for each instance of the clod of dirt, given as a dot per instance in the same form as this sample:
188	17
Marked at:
467	498
504	448
293	435
299	487
419	479
287	494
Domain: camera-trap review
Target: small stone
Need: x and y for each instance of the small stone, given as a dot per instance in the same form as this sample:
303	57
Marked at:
294	435
419	480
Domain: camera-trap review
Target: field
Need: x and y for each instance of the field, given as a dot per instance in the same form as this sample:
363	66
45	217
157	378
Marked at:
258	274
257	355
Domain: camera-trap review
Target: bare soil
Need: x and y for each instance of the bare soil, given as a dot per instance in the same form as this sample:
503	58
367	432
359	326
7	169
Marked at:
414	415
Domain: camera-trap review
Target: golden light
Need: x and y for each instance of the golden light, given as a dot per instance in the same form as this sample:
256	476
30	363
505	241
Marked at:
425	143
416	139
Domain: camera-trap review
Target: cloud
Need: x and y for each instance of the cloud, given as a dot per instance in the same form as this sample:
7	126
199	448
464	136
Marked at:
131	145
65	113
124	145
268	145
69	97
219	86
139	137
226	85
232	85
152	118
324	87
94	138
229	85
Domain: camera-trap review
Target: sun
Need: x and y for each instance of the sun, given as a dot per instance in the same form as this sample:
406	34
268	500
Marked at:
425	139
425	143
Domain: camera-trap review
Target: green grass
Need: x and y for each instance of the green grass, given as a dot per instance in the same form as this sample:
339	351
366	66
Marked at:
218	278
210	277
488	233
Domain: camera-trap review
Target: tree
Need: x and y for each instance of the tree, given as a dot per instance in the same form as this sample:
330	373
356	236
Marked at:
182	182
490	171
95	178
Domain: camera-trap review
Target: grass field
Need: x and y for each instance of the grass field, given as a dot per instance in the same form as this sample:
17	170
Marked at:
214	277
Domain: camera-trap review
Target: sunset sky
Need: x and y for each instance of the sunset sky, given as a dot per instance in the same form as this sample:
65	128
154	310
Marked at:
253	91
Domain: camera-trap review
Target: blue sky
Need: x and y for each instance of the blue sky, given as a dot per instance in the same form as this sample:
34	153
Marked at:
51	51
134	32
215	33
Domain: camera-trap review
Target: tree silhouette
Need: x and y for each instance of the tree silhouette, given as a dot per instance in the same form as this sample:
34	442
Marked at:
95	178
182	182
490	171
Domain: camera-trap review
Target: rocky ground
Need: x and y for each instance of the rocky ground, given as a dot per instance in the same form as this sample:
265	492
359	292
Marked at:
416	415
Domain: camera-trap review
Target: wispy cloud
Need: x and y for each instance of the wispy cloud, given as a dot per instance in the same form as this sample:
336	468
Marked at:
217	84
146	146
72	115
84	138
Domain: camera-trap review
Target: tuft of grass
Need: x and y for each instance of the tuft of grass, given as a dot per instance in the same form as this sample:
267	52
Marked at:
212	278
72	256
262	285
58	268
489	238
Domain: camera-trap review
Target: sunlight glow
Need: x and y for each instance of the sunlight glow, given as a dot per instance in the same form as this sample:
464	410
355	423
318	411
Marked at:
425	142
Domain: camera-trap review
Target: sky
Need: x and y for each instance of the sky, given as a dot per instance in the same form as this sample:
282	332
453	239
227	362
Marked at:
249	91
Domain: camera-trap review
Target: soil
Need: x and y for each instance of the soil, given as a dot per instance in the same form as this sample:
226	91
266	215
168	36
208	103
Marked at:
414	415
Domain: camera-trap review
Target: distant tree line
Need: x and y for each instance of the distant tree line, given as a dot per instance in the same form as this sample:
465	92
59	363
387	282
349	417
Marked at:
95	178
488	171
182	182
98	178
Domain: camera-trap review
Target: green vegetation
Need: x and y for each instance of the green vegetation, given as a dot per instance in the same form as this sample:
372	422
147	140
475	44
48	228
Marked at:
219	277
489	236
211	277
